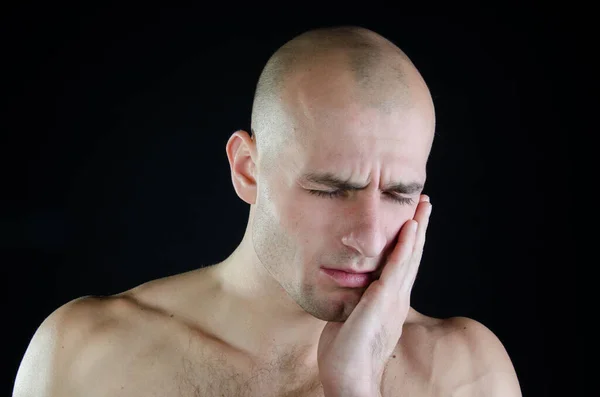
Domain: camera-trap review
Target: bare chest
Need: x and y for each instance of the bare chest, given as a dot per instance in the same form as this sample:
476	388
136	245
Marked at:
206	373
212	375
176	362
221	376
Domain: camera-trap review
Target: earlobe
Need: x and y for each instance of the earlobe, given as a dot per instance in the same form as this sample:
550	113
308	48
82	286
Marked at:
240	150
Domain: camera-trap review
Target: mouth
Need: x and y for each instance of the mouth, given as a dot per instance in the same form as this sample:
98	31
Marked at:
349	279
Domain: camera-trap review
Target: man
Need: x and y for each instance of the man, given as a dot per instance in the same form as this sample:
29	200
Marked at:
315	300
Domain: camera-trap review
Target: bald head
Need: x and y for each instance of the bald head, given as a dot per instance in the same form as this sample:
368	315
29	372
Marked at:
346	64
343	124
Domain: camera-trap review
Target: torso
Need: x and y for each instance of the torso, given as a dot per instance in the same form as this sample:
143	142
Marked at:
144	349
175	360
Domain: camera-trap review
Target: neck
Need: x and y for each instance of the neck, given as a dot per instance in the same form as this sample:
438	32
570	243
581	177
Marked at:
257	315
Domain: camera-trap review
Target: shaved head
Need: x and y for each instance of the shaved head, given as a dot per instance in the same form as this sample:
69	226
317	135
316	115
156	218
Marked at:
354	63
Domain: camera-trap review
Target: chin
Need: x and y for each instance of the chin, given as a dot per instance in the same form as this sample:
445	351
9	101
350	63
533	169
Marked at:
334	306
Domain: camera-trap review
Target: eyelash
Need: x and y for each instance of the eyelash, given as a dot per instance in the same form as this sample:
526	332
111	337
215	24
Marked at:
338	193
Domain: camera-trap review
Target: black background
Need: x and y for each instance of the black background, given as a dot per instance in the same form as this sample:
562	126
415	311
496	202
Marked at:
113	150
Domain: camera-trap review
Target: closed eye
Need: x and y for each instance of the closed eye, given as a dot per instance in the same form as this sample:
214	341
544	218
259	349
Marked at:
340	193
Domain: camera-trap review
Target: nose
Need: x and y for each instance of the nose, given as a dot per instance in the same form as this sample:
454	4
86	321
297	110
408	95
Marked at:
366	229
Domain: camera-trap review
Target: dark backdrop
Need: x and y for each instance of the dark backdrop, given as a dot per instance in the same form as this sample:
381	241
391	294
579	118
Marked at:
115	167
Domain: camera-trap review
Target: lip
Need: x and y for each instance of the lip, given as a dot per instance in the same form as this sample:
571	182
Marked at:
348	270
349	279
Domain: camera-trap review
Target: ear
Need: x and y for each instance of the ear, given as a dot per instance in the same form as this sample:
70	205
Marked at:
241	153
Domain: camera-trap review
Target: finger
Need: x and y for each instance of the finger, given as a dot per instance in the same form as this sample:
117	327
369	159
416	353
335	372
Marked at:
399	267
397	262
422	216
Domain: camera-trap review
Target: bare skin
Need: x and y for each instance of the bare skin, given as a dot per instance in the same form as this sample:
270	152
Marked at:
250	325
144	342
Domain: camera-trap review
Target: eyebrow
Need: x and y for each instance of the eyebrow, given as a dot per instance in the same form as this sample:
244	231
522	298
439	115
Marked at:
330	180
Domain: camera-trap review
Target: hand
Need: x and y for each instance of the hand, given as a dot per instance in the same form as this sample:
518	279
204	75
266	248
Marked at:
352	355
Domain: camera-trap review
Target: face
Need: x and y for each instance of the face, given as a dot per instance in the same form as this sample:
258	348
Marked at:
299	226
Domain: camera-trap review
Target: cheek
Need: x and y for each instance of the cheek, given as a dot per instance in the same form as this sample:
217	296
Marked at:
296	215
303	218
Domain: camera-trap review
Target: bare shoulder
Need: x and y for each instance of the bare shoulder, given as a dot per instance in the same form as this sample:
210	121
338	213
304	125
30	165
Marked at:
480	360
72	337
462	357
44	363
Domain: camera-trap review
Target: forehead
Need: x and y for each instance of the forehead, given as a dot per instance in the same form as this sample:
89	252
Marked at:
338	126
356	140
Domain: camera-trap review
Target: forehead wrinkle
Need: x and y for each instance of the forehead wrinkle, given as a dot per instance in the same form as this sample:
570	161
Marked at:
359	157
